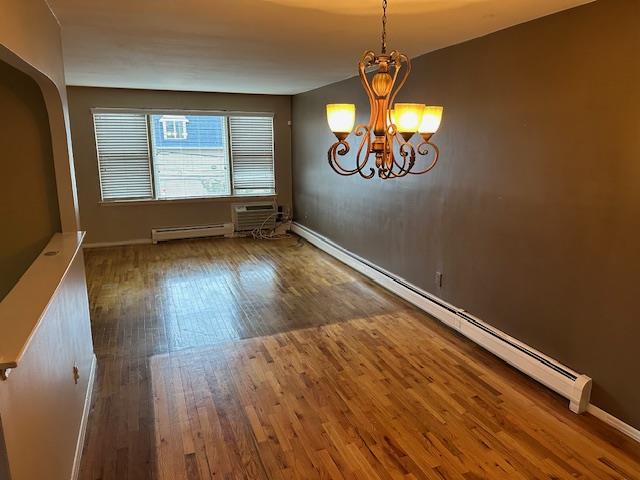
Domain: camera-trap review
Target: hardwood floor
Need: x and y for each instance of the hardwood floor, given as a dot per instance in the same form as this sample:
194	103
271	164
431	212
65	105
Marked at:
245	359
151	299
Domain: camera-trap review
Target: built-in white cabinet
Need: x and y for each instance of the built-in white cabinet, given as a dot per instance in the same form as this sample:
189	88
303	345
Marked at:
46	365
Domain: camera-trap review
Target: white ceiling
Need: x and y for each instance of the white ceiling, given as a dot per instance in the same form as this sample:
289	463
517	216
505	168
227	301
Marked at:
262	46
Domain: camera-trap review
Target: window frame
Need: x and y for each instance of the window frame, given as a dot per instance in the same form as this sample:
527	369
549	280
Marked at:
155	199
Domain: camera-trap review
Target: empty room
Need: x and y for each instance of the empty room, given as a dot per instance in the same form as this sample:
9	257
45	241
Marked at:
320	239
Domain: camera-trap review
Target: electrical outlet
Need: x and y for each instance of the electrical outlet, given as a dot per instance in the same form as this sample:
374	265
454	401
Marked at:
439	279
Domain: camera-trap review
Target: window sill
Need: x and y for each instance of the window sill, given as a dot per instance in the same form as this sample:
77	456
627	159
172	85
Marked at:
175	201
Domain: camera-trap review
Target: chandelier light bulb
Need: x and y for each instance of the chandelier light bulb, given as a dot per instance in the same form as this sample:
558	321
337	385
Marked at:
431	119
407	116
341	118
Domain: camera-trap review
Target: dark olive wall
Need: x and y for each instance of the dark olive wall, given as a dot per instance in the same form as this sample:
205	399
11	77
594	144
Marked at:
117	222
533	214
29	212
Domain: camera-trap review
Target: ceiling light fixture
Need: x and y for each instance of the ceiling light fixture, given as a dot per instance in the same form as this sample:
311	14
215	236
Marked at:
389	123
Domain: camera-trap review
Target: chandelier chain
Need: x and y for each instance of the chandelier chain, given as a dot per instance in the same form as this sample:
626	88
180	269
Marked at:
384	26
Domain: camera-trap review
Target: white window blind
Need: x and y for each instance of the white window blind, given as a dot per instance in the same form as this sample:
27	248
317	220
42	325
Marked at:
123	155
252	154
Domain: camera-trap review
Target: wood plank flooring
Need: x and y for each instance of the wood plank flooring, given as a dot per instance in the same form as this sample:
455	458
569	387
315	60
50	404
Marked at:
149	299
240	359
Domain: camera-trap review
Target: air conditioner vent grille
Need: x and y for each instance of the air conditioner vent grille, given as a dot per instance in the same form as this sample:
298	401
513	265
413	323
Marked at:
250	216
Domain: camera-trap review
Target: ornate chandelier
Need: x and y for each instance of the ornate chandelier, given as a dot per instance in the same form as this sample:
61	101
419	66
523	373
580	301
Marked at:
389	124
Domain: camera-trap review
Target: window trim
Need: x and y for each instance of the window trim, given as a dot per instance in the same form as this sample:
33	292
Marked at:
164	111
177	111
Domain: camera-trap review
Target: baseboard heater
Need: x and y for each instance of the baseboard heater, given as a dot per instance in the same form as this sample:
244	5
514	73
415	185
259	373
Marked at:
195	231
559	378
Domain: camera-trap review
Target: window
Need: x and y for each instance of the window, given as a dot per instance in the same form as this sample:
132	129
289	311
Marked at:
123	153
196	165
252	153
174	127
170	156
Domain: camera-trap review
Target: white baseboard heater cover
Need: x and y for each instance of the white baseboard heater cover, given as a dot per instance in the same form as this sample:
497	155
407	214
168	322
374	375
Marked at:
195	231
559	378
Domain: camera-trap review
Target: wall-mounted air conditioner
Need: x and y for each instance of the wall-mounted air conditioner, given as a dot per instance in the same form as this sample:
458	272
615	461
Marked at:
251	216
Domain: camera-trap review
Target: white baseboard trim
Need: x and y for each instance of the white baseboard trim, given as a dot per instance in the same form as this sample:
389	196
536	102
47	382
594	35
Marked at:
83	423
614	422
577	391
137	241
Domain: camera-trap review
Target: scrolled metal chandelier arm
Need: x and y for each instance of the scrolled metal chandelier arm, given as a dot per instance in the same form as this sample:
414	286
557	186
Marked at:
387	136
367	59
399	58
363	130
341	147
424	151
407	154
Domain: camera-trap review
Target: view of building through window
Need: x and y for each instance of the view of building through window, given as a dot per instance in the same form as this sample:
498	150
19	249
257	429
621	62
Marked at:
174	126
192	161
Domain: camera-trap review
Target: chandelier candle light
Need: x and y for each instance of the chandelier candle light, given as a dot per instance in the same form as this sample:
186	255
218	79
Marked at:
390	123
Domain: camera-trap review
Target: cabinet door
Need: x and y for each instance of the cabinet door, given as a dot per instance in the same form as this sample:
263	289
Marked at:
41	403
